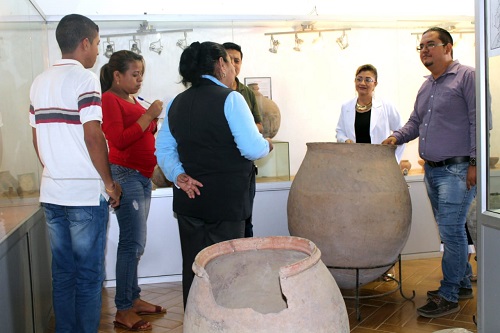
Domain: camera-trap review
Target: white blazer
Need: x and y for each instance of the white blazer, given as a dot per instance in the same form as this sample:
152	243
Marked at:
384	120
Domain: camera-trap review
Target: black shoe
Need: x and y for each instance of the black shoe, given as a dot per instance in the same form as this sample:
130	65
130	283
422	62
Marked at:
437	307
463	293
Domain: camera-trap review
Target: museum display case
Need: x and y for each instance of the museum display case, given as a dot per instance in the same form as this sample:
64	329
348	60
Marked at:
23	55
276	165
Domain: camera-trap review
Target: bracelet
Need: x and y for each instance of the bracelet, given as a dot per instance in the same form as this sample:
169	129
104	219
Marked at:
111	191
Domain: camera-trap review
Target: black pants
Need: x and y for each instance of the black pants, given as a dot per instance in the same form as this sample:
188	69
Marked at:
197	234
248	221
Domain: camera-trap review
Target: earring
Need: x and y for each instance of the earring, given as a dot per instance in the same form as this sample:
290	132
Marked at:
223	74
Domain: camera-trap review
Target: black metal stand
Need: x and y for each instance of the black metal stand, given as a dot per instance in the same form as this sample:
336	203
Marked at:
398	287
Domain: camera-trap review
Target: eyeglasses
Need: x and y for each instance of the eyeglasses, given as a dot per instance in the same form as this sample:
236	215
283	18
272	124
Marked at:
366	79
429	46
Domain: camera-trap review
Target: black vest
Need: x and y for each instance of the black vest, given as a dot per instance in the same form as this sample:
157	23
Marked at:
209	154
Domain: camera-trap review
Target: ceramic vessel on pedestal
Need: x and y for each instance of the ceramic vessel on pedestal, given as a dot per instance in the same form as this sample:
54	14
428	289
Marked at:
271	116
405	166
271	284
352	201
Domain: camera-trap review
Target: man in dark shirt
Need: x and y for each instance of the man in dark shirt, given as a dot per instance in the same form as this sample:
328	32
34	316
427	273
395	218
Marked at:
444	120
234	51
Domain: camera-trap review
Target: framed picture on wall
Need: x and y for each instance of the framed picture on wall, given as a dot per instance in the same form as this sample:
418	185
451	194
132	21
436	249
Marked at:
264	85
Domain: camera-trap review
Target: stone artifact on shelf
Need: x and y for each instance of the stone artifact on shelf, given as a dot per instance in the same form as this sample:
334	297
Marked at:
353	202
270	284
9	186
493	161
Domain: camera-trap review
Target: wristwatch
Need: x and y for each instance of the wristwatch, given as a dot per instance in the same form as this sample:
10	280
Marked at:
472	161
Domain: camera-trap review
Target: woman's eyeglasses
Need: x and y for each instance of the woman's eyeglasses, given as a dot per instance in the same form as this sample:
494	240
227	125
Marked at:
366	79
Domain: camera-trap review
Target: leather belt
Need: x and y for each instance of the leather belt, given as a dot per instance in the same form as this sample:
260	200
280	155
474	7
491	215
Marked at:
448	161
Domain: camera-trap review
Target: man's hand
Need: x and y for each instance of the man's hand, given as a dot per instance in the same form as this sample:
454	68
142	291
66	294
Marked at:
115	193
471	177
390	141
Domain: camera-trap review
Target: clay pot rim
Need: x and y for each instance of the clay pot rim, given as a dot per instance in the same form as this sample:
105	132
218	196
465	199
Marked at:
323	145
261	243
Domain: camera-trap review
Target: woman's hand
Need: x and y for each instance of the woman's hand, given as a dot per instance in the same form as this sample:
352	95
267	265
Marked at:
271	147
155	109
349	141
189	185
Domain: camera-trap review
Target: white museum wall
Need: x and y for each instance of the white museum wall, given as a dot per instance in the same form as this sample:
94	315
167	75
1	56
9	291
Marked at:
309	86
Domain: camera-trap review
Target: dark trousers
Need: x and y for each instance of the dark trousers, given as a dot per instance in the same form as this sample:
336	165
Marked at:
197	234
248	221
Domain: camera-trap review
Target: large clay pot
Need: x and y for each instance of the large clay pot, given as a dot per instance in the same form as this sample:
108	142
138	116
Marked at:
353	202
271	284
271	116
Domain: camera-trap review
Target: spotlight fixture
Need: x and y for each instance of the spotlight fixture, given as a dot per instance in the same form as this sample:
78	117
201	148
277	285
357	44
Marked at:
135	45
342	41
298	43
109	48
318	40
182	43
307	27
156	46
146	29
274	43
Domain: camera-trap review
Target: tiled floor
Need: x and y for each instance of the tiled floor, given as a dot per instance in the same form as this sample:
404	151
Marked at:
390	313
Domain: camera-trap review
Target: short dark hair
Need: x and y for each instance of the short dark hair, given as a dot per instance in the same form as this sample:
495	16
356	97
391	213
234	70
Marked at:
367	67
233	46
119	61
444	35
74	28
200	59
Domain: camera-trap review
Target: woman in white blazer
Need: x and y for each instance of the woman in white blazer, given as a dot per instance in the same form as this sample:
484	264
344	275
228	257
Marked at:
366	119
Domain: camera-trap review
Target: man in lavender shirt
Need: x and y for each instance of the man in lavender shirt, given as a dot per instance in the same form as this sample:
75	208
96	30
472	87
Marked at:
444	120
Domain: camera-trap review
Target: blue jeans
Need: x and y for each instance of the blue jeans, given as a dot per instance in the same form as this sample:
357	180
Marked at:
77	239
450	201
132	215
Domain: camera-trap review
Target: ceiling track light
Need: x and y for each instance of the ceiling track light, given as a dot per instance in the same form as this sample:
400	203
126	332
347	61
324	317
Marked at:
156	46
109	48
182	43
460	32
298	43
135	45
146	29
342	41
274	43
306	28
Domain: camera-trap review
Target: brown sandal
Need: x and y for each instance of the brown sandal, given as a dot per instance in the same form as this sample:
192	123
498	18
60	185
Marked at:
136	327
158	310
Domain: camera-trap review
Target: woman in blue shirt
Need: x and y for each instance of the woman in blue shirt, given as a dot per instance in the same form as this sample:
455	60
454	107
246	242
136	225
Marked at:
206	147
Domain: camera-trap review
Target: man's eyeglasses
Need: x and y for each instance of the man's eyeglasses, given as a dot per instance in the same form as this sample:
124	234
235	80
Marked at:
428	46
366	79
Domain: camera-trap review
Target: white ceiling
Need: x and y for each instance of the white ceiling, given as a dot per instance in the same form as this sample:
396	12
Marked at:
291	13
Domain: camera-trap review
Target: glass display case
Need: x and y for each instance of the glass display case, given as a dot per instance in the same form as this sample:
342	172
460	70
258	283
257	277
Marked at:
275	166
23	52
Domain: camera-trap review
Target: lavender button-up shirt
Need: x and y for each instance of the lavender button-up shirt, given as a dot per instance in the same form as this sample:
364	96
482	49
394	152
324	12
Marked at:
444	115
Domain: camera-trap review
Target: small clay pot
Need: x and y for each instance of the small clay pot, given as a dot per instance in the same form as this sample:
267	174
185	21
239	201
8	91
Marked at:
405	166
421	163
493	161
